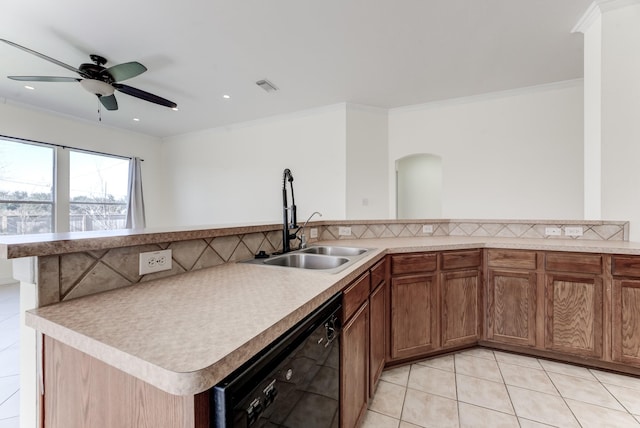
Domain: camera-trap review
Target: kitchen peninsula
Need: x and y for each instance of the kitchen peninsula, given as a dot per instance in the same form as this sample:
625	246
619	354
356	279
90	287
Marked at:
176	336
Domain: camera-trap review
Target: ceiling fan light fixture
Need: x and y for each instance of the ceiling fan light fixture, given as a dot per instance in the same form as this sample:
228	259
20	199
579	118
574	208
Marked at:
97	87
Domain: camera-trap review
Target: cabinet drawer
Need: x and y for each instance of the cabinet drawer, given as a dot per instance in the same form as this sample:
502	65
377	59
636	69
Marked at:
626	266
512	259
413	263
355	295
460	259
579	263
378	273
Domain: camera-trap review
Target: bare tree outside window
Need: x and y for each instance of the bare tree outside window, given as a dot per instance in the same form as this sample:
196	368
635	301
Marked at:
26	188
98	189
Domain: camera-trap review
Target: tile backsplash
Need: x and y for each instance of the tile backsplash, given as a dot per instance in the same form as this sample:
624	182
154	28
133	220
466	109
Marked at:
600	230
67	276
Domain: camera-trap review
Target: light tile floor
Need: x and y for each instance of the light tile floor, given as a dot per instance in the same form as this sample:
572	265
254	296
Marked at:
9	356
484	388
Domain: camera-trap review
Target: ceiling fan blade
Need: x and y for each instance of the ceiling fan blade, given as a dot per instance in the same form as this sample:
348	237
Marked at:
38	54
125	71
139	93
109	102
43	79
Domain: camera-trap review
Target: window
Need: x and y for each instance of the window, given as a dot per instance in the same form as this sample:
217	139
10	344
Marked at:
26	188
98	188
30	202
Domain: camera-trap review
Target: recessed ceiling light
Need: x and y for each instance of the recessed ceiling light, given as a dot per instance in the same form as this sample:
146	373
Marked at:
135	119
31	88
226	97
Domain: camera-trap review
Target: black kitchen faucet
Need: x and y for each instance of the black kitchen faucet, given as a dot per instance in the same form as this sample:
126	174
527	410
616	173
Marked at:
288	212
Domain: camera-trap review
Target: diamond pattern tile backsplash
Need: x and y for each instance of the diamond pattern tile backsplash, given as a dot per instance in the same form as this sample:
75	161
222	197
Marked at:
68	276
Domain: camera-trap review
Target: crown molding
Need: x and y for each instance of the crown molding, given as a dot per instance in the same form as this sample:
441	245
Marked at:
595	11
563	84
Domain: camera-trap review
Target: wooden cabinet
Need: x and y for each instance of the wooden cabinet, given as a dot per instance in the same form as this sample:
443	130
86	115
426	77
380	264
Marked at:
574	304
625	302
377	323
460	298
354	372
82	391
461	312
414	316
625	324
435	302
511	297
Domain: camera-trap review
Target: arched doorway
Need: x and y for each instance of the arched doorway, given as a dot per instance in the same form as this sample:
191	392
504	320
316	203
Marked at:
419	186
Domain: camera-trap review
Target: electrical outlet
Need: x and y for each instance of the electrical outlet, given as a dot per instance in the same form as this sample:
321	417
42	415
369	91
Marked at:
427	228
344	231
552	231
155	261
573	231
313	233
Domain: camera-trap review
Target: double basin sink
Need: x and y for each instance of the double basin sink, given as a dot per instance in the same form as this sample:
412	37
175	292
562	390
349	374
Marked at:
322	257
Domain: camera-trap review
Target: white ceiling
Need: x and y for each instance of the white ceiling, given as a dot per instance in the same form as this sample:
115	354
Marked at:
383	53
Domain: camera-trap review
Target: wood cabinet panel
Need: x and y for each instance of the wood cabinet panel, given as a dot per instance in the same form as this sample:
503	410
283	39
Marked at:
512	259
355	295
377	334
460	259
574	314
82	391
626	321
354	382
625	266
511	307
378	273
579	263
461	319
414	315
402	264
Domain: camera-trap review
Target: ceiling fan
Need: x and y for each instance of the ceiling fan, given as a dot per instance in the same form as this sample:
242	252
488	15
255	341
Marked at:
97	79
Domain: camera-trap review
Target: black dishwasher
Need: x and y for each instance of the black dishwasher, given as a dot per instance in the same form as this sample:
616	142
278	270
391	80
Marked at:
293	383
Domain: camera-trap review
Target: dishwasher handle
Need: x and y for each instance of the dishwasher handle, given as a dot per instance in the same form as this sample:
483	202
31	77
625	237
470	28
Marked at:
331	330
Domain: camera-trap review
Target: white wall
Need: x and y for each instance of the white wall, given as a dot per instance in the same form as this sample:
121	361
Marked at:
367	152
517	154
593	121
233	174
621	116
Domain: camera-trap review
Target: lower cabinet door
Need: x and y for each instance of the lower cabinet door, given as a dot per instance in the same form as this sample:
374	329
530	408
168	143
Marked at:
414	316
354	372
511	307
626	321
461	310
377	342
574	314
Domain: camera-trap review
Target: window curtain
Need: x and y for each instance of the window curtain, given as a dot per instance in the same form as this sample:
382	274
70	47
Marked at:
135	204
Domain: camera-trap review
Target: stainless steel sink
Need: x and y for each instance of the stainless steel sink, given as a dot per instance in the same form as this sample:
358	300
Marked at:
307	261
334	251
323	258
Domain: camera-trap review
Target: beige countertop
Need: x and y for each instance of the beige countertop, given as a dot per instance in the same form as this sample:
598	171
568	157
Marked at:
185	333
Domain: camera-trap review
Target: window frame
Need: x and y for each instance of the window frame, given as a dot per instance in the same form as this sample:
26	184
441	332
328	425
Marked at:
61	202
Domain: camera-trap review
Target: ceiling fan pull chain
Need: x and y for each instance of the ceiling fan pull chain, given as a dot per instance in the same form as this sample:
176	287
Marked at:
99	111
